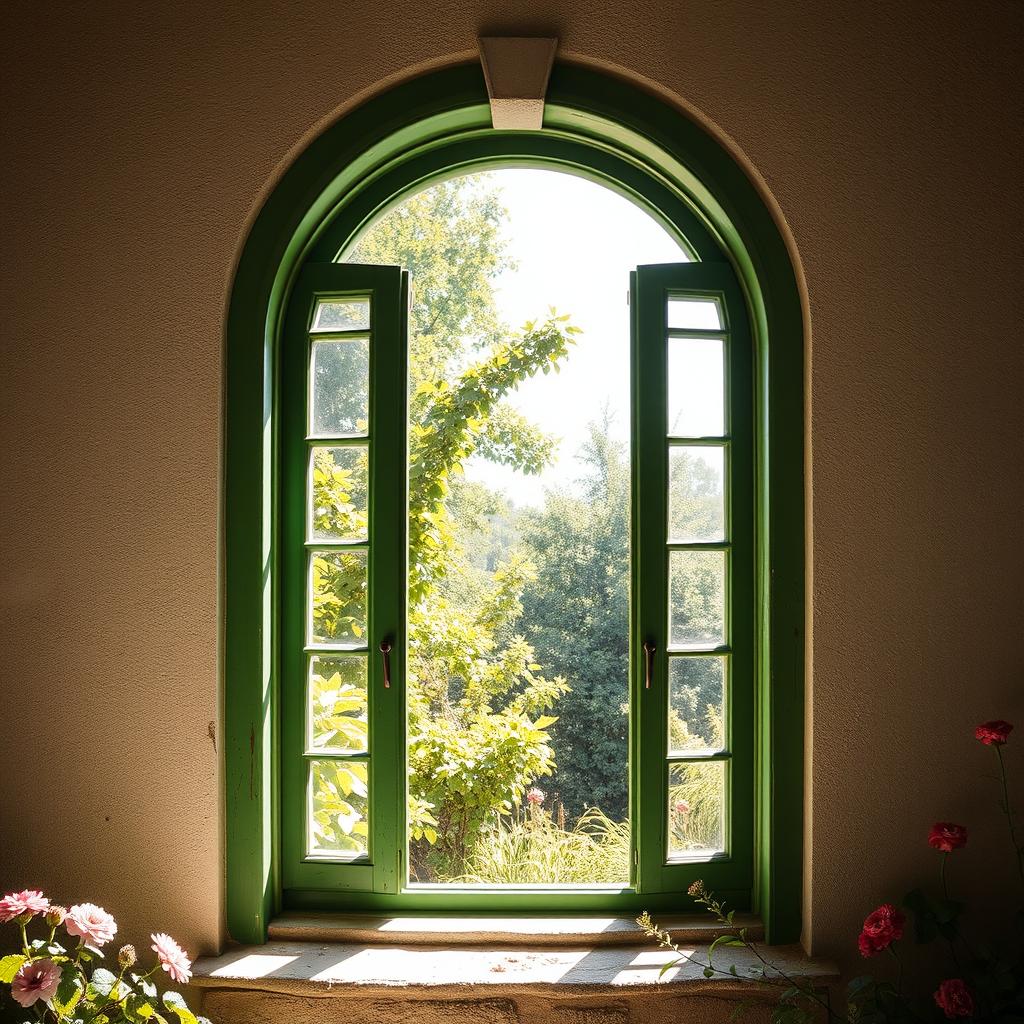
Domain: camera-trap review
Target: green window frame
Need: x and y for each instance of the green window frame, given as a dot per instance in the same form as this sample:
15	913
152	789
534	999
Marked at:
396	144
653	288
385	290
372	874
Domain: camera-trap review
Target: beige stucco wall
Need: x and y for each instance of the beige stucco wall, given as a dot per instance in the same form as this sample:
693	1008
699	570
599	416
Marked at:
137	142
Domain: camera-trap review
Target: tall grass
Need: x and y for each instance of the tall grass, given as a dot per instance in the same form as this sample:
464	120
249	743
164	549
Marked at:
535	850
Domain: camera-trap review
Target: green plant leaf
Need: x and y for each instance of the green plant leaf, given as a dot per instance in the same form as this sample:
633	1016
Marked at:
145	985
138	1009
925	923
725	940
857	987
101	984
69	991
175	1002
10	965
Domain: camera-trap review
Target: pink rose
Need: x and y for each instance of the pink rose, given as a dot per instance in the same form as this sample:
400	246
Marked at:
882	927
28	901
947	837
535	796
954	998
36	980
682	807
173	959
993	733
90	922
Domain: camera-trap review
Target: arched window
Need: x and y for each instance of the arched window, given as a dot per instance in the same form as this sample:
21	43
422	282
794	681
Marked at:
355	781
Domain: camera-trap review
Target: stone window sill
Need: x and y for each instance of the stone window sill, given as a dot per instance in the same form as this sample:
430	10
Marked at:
356	955
529	930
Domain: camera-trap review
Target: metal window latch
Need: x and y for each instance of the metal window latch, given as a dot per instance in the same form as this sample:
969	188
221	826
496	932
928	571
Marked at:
385	650
649	650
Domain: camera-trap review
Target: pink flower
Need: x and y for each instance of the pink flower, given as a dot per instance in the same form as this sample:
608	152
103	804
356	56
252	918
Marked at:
55	915
90	922
28	901
535	796
993	733
947	837
954	998
173	959
682	807
36	980
882	927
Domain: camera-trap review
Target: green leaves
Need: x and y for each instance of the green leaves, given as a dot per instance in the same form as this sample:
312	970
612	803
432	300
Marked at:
101	984
10	965
933	916
70	990
725	940
176	1004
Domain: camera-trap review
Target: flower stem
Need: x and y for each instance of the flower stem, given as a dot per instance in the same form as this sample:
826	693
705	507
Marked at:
896	957
1018	850
942	876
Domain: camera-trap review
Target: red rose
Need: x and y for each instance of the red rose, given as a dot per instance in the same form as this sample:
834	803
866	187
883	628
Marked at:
882	927
954	998
993	732
947	837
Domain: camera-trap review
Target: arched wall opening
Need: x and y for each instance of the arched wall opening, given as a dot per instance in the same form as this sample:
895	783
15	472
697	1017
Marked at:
390	147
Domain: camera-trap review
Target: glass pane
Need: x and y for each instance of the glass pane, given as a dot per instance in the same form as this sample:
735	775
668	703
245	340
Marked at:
339	387
341	315
694	314
338	492
696	704
337	809
696	494
337	582
696	586
696	387
336	721
696	810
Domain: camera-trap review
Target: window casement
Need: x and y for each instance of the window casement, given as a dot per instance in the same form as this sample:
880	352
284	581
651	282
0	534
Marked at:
344	413
324	396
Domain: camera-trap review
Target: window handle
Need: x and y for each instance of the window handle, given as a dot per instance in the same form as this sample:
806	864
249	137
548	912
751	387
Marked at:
649	650
385	650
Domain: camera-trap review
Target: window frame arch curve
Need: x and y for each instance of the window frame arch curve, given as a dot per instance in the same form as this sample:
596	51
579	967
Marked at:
397	143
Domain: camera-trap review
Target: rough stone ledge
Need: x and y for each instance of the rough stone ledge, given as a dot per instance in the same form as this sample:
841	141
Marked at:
640	1006
532	931
346	970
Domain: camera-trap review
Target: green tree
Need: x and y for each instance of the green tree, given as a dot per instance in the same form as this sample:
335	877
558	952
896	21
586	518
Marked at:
578	615
477	698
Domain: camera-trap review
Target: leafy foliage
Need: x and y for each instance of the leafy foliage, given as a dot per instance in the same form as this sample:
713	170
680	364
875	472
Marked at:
339	821
534	847
976	977
578	611
477	698
84	991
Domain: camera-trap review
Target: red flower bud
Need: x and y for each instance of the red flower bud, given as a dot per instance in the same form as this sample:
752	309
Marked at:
954	998
993	733
947	837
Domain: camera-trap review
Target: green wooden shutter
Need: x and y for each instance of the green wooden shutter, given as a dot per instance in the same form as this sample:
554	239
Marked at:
343	423
693	577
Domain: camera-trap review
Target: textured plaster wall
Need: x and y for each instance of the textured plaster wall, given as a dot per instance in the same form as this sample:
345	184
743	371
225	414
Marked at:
137	142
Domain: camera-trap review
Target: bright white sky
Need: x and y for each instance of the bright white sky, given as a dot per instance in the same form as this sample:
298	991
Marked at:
576	243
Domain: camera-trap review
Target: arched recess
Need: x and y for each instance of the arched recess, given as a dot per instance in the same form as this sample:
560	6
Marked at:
395	143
